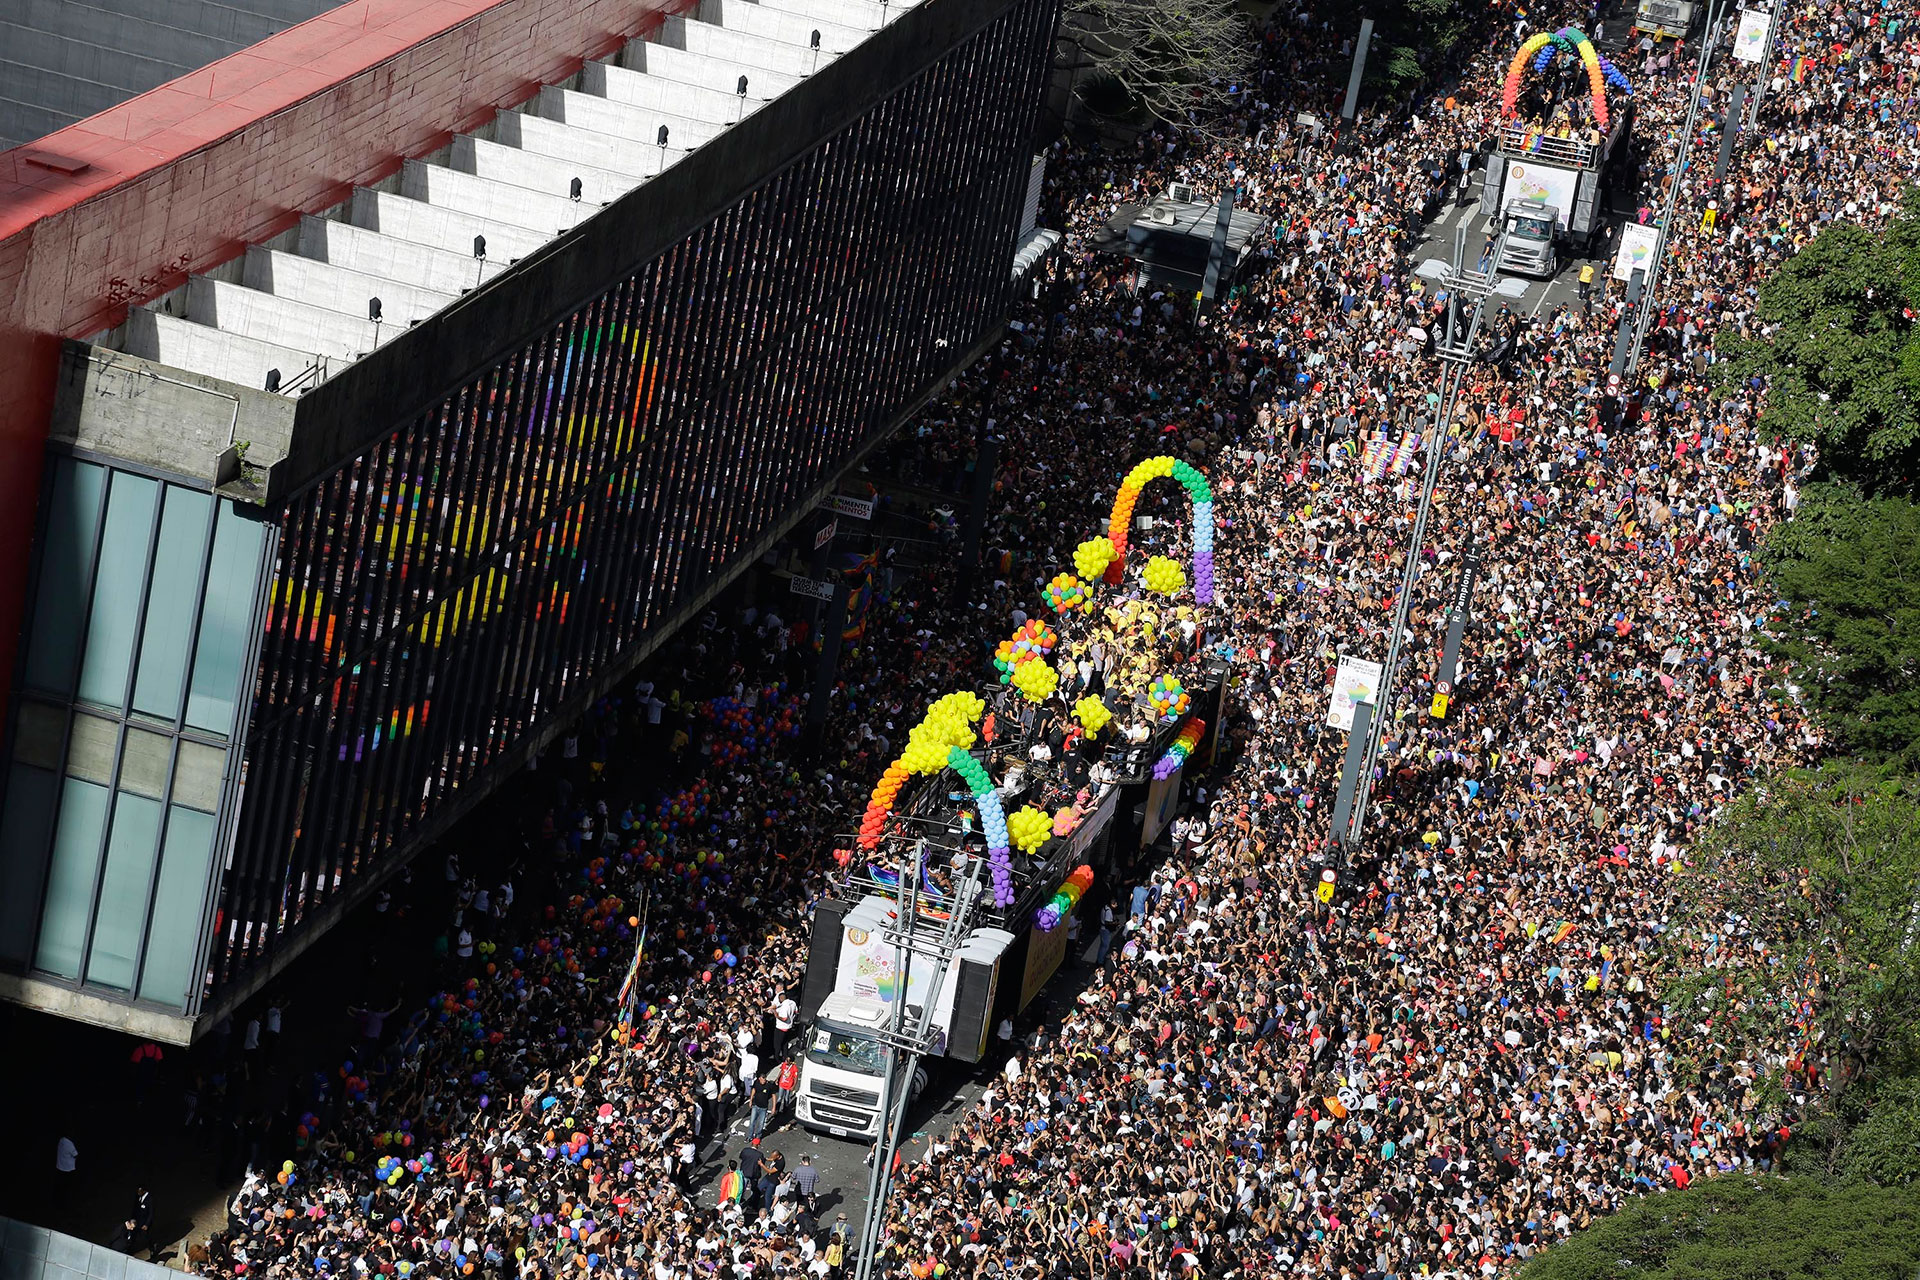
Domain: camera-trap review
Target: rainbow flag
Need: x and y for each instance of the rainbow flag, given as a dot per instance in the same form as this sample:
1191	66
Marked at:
732	1186
1799	72
1564	931
630	985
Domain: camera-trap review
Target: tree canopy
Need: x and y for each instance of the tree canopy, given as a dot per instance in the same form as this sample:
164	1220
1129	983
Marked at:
1840	351
1850	570
1736	1228
1809	887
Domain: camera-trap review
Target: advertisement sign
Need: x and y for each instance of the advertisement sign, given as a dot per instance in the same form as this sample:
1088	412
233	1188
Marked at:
869	962
1357	680
1046	948
855	508
811	588
826	533
1750	41
1637	243
1528	179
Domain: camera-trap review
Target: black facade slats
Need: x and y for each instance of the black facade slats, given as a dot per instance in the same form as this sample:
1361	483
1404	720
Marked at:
439	599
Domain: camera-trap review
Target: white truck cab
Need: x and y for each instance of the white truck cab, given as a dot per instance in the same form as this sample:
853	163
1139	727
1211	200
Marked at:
843	1068
1530	249
840	1074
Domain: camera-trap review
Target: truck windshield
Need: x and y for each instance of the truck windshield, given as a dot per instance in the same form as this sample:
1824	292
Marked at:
1533	228
845	1050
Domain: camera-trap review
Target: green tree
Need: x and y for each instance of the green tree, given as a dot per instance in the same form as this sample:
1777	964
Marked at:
1809	887
1413	40
1850	569
1840	352
1747	1228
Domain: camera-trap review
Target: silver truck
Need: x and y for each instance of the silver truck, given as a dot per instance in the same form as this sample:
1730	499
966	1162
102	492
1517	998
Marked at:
1530	249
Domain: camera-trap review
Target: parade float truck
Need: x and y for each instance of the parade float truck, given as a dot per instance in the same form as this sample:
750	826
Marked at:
952	904
1546	191
1004	956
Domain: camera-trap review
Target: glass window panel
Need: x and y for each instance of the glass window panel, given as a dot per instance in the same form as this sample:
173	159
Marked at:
66	569
24	824
143	763
116	589
90	749
36	734
225	618
162	678
76	860
122	918
196	776
168	976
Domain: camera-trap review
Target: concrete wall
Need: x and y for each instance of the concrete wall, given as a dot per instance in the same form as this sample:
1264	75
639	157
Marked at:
108	402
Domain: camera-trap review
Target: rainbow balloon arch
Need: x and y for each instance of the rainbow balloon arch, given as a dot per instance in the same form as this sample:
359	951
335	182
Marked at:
1543	48
1195	483
945	735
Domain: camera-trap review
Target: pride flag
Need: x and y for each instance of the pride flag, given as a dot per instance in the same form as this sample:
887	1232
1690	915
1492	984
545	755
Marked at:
1799	72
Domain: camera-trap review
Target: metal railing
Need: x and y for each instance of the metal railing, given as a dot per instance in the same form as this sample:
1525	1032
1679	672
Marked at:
1519	140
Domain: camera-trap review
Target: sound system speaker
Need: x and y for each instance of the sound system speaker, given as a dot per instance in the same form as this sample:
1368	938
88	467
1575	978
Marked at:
823	955
972	1024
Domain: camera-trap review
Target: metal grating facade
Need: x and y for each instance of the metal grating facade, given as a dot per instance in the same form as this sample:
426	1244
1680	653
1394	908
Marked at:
439	597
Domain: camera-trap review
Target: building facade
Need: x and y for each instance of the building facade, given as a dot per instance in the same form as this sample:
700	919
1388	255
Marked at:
279	637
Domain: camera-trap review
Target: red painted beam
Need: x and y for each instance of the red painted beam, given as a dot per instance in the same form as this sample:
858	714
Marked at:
119	208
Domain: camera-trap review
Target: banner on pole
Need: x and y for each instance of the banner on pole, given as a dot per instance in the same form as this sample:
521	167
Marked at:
855	508
1357	680
1750	41
811	588
826	533
1637	243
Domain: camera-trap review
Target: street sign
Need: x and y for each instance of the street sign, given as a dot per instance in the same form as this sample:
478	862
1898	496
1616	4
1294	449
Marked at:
1324	890
855	508
826	533
811	588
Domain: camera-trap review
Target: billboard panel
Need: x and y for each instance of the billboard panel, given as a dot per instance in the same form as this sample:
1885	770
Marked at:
1637	243
1528	179
1357	680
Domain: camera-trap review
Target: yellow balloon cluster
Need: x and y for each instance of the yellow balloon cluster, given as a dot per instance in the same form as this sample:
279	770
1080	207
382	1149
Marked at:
1151	469
1029	828
947	724
1092	713
1165	575
1036	679
1093	556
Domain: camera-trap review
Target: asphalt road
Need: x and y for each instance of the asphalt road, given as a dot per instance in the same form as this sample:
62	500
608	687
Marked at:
1541	296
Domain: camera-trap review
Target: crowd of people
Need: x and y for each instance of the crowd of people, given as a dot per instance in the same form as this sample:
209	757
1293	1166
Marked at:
1461	1058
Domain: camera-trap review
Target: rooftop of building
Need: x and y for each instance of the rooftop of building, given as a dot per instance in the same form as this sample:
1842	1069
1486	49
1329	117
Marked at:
64	60
284	314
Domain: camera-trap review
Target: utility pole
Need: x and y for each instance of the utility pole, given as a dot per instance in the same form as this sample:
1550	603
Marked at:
1457	359
1359	70
1681	163
905	1045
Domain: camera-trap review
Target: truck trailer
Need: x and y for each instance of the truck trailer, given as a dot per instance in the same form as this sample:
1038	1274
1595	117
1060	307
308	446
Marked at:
1548	192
